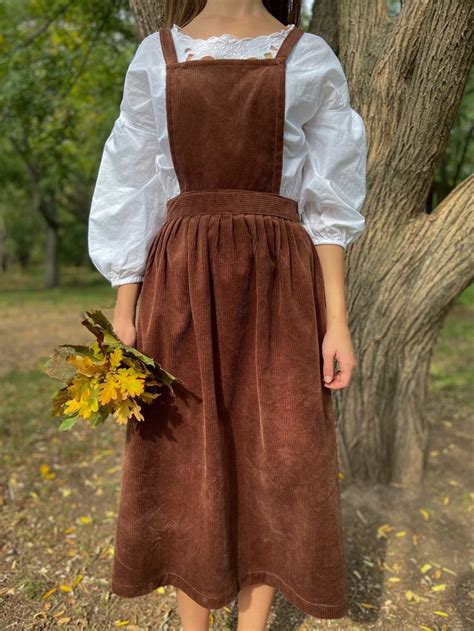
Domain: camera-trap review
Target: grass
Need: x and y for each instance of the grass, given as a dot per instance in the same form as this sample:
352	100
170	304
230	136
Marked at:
452	368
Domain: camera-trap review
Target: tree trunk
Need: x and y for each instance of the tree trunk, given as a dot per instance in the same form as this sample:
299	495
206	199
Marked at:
324	22
397	308
52	257
149	15
3	249
45	203
406	76
48	209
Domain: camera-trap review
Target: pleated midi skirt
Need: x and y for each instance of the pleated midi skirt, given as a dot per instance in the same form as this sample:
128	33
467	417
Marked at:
235	480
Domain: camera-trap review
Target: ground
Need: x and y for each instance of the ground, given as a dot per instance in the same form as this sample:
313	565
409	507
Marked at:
409	550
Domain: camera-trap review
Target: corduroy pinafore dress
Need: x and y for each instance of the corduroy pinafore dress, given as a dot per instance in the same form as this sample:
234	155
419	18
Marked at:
235	481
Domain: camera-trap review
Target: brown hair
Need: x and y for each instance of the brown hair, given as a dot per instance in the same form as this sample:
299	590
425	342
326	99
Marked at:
181	12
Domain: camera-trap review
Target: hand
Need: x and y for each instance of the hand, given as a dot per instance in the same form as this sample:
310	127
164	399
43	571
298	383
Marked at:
337	344
125	330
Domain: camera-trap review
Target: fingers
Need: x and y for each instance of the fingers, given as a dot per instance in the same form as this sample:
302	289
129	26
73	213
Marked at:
328	366
339	378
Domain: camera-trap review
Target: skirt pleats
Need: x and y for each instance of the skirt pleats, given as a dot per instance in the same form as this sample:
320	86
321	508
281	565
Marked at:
235	480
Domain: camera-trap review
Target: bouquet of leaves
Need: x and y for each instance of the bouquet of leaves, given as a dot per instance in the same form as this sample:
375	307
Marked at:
106	378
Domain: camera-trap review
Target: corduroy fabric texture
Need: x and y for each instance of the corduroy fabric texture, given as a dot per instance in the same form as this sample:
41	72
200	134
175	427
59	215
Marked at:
233	482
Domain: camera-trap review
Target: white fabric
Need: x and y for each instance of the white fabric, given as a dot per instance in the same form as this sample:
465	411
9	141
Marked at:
324	156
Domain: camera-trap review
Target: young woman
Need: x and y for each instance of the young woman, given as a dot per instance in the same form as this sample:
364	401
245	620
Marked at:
229	188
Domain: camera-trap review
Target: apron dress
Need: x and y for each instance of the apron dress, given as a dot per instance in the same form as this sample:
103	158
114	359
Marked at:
234	481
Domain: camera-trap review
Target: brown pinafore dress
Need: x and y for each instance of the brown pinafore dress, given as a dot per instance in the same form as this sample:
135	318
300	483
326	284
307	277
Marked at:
235	481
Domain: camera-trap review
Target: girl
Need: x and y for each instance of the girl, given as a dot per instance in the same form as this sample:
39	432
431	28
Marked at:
228	190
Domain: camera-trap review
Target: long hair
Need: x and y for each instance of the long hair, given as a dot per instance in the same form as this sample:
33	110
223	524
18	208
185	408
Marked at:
181	12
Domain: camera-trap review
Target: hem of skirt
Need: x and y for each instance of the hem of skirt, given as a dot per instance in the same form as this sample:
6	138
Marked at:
317	610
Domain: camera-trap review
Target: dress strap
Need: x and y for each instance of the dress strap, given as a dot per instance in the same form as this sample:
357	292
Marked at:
289	41
167	44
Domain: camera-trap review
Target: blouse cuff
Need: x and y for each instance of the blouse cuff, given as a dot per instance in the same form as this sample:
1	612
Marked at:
115	282
325	236
329	240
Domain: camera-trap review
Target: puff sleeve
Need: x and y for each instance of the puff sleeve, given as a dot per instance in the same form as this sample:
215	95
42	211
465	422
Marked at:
125	207
334	173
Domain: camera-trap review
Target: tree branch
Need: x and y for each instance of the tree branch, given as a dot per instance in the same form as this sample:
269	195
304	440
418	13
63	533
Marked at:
439	247
44	27
95	36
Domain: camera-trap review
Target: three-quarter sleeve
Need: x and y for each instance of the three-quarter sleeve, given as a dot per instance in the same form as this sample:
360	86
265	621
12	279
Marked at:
127	201
334	173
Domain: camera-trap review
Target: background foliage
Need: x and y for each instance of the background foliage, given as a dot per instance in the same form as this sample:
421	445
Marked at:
62	66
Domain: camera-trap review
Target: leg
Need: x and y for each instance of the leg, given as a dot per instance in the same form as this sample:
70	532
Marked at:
255	602
194	617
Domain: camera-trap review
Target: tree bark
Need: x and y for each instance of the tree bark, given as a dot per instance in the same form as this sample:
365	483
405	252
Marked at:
406	77
324	22
149	15
397	308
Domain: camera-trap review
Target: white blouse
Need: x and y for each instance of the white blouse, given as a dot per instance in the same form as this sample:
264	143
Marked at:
324	155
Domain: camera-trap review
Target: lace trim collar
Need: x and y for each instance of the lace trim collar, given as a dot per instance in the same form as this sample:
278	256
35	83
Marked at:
227	45
227	37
